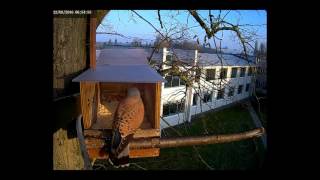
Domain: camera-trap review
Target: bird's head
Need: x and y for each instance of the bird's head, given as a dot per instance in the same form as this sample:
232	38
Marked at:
133	92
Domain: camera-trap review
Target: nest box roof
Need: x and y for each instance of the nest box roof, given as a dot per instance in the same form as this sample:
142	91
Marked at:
139	73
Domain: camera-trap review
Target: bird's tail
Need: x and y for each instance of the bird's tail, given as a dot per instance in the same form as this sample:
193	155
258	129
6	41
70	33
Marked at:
119	155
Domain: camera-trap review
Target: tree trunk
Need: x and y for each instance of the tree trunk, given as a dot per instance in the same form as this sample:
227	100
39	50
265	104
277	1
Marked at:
70	57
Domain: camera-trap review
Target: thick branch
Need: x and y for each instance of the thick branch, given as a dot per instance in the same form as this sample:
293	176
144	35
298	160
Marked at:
182	141
202	24
195	140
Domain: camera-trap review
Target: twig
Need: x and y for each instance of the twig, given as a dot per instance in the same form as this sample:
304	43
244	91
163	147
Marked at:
139	166
101	166
148	22
159	17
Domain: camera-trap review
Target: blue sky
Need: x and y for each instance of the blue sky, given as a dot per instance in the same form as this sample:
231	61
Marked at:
129	24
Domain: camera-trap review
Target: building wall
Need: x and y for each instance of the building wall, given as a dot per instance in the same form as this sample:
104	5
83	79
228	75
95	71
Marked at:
262	74
173	94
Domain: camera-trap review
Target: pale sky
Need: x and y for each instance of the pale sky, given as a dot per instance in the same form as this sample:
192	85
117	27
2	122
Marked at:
129	24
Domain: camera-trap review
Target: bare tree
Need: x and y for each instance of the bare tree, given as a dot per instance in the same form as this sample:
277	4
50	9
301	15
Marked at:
212	26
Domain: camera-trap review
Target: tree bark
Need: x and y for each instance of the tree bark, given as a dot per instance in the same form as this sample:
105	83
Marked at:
70	49
195	140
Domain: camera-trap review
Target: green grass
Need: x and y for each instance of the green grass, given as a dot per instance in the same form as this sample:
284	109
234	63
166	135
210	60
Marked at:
247	154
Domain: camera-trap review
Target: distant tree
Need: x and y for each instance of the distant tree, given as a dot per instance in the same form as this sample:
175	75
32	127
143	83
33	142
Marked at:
256	48
262	48
161	42
136	42
104	45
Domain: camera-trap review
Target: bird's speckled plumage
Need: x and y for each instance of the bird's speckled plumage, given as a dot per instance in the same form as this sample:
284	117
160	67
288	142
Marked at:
128	118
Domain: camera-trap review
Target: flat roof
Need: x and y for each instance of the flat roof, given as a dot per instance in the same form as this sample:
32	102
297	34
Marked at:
138	73
207	59
125	56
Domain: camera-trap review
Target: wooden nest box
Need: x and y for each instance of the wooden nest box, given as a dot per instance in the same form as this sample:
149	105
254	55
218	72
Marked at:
102	88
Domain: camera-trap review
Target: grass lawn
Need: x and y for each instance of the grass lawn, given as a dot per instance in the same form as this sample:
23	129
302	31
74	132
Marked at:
247	154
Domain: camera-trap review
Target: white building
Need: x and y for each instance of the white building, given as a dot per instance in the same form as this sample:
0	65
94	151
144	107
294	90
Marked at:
261	80
208	90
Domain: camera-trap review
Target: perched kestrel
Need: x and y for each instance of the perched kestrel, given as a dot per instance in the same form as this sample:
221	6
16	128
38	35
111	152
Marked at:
128	118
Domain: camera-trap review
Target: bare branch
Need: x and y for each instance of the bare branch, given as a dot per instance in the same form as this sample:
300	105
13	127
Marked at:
148	23
159	17
200	21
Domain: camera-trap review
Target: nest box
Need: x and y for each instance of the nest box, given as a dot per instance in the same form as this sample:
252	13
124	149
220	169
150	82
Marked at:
102	88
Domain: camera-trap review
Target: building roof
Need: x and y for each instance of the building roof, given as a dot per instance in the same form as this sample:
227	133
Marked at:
184	55
206	59
127	56
134	73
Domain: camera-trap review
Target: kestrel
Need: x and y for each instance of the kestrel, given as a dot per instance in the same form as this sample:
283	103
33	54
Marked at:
128	118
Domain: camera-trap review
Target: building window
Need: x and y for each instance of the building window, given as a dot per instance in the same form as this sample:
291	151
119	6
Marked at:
180	106
223	73
259	70
198	75
195	99
173	108
240	89
182	82
247	87
207	97
234	72
220	94
173	81
250	69
166	110
169	59
210	74
242	72
169	81
231	91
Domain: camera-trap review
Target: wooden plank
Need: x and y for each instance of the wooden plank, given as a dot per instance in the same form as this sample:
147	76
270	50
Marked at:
139	153
93	22
87	91
94	143
95	133
157	106
143	133
96	153
94	138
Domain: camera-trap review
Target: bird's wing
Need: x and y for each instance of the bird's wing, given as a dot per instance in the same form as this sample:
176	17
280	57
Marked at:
129	115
